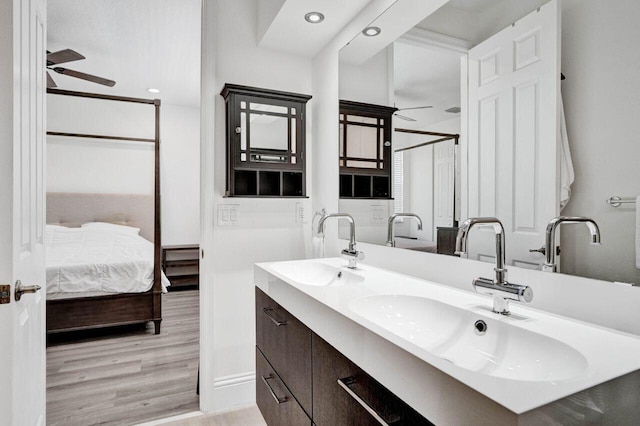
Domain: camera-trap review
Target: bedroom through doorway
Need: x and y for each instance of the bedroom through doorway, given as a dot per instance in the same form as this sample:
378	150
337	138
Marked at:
122	214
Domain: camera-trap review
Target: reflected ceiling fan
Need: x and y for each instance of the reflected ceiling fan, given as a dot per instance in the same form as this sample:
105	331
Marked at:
404	117
68	55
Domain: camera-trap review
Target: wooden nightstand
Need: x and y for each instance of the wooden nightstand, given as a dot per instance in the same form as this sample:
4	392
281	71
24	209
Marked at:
180	264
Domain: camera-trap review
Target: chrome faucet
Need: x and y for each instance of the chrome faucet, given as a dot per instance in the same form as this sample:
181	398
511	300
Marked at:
501	290
350	253
549	249
392	220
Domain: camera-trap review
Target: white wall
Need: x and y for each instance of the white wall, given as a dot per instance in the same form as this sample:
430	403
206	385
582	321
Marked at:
602	107
90	165
180	174
266	229
369	82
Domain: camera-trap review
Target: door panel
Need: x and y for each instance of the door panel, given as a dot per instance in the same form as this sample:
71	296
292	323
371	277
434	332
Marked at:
444	158
22	115
513	134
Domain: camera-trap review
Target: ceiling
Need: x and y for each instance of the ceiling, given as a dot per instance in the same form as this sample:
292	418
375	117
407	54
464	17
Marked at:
139	44
288	31
424	76
473	5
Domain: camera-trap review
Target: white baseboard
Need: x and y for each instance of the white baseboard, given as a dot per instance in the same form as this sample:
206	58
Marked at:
171	419
234	391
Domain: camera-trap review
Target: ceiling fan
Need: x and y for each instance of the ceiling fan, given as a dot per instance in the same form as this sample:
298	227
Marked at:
68	55
404	117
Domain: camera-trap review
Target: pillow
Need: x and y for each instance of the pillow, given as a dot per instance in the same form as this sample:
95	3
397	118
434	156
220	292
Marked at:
60	227
112	227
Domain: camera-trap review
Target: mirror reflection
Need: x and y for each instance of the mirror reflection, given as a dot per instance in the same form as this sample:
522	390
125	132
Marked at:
531	148
271	130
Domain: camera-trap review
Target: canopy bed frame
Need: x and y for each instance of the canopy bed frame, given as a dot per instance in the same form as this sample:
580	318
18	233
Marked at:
72	210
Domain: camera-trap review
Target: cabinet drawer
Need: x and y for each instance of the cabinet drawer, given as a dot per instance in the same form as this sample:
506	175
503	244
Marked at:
358	399
277	405
286	344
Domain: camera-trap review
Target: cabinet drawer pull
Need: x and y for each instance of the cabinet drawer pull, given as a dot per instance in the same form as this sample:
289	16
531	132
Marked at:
344	384
278	399
267	312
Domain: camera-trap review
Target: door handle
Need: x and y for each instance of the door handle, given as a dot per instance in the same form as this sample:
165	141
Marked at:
22	289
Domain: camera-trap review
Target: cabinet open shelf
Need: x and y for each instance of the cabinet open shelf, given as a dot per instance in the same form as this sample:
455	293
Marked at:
364	186
268	183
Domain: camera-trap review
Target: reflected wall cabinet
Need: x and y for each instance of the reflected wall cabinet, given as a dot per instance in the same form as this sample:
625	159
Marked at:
365	150
265	142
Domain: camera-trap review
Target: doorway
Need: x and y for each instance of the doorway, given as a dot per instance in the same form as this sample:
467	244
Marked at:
150	50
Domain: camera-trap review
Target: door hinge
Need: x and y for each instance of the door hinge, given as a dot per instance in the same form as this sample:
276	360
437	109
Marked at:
5	294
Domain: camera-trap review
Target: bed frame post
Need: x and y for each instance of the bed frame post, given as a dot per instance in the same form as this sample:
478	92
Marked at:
157	242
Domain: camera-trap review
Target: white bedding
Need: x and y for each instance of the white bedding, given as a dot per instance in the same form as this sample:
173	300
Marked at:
83	260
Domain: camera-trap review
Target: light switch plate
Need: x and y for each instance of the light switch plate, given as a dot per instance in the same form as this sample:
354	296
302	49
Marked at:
301	213
377	214
227	214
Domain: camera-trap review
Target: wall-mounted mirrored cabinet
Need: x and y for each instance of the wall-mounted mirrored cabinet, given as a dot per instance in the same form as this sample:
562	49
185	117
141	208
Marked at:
265	142
365	150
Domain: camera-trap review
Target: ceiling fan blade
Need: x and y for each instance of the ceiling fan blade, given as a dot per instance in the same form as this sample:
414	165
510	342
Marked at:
62	56
404	117
420	107
50	82
83	76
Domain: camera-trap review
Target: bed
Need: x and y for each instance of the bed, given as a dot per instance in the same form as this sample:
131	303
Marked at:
101	263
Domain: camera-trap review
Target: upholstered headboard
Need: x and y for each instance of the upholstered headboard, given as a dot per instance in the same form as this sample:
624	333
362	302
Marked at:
74	209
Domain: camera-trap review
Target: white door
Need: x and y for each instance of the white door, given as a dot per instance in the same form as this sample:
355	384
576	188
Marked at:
514	87
22	136
443	183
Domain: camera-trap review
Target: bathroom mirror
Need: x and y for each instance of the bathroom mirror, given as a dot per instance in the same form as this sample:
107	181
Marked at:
600	109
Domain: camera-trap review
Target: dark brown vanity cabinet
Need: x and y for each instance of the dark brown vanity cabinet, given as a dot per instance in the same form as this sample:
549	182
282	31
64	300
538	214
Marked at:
343	394
300	378
276	402
285	344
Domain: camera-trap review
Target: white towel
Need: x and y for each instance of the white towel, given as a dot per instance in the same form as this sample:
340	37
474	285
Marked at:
317	240
638	232
567	175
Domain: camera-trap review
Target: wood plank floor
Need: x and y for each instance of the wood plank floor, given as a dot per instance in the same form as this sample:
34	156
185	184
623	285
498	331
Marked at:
127	375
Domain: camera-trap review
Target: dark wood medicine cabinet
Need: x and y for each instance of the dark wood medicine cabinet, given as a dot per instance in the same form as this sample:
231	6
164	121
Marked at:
365	150
265	134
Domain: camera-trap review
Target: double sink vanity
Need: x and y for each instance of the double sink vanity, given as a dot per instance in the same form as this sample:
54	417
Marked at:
421	352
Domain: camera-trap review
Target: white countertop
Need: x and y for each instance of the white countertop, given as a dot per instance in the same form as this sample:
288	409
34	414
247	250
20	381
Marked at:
609	353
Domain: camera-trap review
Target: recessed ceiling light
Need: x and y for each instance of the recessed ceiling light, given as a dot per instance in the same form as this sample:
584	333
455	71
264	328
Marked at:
314	17
152	90
371	31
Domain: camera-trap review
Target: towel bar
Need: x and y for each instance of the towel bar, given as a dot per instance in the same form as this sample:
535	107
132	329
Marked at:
616	201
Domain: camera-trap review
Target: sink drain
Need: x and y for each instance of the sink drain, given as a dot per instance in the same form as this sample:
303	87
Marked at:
480	327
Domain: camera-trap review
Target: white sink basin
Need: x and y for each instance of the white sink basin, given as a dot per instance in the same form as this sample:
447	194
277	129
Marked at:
316	273
504	350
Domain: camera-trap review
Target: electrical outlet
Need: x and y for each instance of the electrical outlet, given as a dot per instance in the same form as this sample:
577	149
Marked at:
301	214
